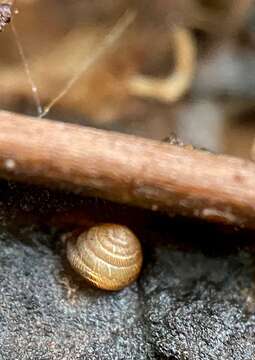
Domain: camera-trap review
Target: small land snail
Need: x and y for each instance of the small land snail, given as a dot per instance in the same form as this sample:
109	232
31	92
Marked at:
108	255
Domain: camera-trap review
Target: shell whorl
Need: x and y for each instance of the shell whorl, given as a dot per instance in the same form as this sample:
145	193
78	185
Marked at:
107	255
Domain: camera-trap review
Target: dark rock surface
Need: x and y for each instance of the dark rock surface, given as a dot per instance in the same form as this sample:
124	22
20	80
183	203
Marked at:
201	310
191	302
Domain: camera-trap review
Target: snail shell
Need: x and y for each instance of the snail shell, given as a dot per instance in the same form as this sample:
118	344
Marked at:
108	255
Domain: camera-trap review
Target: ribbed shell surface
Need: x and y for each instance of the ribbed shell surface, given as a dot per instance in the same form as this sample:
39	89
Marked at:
108	255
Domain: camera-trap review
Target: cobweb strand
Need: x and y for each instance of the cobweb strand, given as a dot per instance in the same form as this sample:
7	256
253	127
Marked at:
107	43
27	71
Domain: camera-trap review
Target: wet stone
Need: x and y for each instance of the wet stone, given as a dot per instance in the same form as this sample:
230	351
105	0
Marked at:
186	305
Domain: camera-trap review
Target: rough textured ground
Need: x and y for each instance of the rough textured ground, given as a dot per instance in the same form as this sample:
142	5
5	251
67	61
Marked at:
191	302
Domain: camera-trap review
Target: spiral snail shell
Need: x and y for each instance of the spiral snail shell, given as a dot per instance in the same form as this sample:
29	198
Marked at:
108	255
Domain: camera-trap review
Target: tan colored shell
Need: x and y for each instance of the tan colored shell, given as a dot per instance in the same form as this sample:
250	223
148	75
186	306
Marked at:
108	255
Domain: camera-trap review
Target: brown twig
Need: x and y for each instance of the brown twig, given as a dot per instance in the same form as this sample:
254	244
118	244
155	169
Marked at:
127	169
